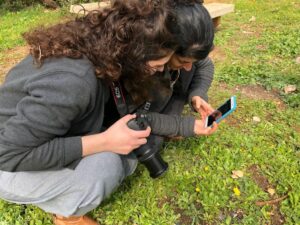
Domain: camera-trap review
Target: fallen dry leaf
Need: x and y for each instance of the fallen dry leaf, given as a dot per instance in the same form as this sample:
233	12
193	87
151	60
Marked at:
237	174
290	88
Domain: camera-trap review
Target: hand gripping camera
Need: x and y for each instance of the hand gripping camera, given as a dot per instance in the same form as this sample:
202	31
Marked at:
145	154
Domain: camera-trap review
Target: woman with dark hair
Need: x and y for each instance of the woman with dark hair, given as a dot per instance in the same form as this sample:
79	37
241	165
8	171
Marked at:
189	70
194	33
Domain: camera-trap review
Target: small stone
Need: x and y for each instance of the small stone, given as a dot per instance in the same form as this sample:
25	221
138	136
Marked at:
256	119
298	60
290	88
247	32
237	214
252	19
222	216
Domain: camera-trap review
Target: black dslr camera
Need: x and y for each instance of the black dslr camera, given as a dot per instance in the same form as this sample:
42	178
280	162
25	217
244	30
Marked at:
145	154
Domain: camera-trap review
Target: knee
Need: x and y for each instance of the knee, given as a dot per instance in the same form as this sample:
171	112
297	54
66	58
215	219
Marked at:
95	178
106	165
100	173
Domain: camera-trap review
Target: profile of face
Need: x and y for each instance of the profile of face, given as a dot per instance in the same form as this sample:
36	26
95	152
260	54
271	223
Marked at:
159	64
178	62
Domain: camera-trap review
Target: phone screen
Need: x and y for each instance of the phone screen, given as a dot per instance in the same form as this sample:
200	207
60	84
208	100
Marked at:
222	110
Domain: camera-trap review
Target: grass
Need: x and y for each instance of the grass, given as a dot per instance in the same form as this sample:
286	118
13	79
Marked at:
13	24
263	51
198	188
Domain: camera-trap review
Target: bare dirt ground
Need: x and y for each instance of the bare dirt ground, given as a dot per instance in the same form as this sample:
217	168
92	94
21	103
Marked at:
250	91
218	54
257	92
10	58
276	217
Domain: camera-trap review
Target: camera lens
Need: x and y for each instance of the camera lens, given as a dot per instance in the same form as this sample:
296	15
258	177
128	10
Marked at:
152	160
145	154
156	165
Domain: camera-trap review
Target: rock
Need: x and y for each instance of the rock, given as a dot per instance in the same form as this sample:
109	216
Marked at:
290	88
256	119
298	60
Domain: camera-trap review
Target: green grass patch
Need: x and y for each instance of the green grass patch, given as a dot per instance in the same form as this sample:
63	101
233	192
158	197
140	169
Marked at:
264	50
13	24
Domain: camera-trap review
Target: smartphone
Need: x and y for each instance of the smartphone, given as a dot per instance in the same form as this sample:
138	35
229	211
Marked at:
223	111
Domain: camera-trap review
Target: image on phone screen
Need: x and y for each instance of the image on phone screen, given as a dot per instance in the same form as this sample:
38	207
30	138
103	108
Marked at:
222	111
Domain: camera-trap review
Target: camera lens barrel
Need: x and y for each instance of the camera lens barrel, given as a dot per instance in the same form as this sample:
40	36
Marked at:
152	160
145	154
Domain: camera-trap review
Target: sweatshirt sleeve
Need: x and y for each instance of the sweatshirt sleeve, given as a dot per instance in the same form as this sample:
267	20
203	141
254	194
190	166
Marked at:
171	125
202	79
35	137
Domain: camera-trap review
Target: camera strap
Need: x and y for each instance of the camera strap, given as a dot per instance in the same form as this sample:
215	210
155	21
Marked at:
120	102
119	99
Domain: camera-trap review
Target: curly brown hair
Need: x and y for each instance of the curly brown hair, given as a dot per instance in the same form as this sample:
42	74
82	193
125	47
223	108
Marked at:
118	41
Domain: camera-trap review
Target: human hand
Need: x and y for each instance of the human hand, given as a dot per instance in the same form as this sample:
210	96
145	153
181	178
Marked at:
200	129
121	139
201	106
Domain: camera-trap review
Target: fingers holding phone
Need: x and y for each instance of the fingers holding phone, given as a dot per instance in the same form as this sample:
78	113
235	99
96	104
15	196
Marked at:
200	129
201	106
222	112
209	123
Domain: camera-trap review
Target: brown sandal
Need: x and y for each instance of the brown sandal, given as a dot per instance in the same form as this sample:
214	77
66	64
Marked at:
74	220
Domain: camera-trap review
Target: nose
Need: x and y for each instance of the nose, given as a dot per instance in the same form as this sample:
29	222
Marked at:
187	66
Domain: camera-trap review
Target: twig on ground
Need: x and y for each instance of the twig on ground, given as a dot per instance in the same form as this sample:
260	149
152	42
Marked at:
271	202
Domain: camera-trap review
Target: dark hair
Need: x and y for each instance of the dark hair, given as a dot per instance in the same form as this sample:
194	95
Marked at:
192	28
117	40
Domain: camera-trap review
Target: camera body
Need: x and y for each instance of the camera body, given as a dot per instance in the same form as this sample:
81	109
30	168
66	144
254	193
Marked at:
145	154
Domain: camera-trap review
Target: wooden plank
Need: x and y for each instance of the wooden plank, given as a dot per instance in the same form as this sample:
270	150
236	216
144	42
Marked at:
82	8
219	9
215	9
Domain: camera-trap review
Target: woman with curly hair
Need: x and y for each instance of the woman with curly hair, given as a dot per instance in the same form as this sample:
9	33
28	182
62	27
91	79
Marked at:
56	151
63	145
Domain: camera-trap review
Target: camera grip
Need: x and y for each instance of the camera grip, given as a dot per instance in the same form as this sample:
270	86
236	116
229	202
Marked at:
139	123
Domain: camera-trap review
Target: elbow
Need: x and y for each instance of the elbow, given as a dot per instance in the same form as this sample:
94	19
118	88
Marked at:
7	165
9	161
